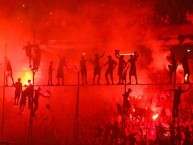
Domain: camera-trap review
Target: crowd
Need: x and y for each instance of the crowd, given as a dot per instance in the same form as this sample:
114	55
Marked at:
158	131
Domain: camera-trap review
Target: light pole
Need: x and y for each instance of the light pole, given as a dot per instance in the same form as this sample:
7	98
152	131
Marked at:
30	130
3	101
76	127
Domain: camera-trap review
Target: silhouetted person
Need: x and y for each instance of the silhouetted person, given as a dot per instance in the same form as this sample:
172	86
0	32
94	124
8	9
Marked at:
9	72
36	57
60	71
176	101
185	66
172	68
172	134
160	138
188	136
126	103
29	93
23	99
36	100
18	91
178	135
115	133
83	70
50	73
97	68
132	71
28	51
121	66
111	65
106	134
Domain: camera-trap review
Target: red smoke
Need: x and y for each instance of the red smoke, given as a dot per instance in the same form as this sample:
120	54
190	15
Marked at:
69	29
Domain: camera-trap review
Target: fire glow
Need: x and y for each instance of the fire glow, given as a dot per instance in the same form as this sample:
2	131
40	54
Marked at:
155	116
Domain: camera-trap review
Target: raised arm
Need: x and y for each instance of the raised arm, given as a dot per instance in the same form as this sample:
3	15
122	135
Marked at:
65	64
136	55
106	63
115	64
43	95
117	55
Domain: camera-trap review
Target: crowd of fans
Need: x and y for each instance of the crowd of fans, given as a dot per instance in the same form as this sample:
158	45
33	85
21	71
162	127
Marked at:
173	11
146	130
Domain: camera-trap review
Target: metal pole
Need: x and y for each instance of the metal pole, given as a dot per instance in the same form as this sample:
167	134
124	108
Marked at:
30	130
76	141
124	115
174	85
3	101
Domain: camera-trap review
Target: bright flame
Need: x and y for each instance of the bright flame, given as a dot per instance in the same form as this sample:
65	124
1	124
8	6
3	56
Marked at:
27	77
186	77
155	116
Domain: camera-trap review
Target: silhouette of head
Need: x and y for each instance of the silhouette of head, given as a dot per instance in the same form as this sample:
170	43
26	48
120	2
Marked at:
127	93
109	57
129	90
